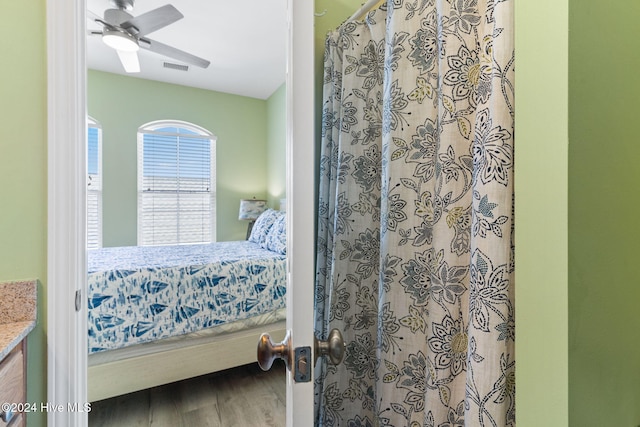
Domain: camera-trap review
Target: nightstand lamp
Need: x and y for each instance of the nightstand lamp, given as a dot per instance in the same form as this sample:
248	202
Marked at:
250	210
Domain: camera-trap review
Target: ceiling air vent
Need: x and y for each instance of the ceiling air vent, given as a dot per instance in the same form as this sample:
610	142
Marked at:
176	66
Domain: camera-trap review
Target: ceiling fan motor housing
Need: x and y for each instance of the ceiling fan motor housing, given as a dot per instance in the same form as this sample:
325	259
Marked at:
123	4
115	17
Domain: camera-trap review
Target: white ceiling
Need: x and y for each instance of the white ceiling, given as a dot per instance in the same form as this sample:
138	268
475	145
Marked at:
245	40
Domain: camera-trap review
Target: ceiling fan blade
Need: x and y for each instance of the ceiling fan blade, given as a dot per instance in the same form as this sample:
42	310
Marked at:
98	20
93	16
129	61
172	52
152	20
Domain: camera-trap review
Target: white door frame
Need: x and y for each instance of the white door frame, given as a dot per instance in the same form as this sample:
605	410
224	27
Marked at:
66	270
66	253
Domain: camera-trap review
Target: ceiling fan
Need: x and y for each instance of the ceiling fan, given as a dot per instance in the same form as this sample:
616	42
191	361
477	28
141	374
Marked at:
127	34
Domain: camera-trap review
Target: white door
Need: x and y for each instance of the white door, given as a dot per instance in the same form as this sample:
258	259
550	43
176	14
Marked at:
300	218
301	177
300	187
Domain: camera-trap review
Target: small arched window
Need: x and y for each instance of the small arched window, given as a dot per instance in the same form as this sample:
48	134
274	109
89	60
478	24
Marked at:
94	184
176	184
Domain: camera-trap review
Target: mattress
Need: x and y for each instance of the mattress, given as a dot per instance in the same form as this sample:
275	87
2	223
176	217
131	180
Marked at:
143	294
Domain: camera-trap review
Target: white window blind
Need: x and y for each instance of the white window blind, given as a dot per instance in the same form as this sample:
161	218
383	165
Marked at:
176	184
94	185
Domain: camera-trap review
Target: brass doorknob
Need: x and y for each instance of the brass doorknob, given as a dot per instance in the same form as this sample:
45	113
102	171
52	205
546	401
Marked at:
332	347
268	351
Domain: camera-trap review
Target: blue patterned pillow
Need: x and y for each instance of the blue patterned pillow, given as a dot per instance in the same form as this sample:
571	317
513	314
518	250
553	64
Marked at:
262	226
277	236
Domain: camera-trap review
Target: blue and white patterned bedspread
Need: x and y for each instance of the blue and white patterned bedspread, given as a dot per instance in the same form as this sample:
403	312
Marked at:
140	294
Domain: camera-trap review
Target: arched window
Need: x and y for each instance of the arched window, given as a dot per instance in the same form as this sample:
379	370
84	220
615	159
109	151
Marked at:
176	184
94	184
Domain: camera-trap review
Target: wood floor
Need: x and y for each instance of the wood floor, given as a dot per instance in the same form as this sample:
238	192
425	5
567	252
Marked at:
243	397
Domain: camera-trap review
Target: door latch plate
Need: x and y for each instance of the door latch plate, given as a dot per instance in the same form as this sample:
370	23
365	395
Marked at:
302	362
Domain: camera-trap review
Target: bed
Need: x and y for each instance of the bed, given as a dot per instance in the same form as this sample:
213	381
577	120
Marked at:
160	314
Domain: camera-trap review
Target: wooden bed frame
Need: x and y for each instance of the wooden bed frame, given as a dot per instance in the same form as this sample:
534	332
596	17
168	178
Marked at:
218	353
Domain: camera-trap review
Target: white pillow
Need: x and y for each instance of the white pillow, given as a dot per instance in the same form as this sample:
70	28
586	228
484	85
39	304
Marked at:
277	236
262	226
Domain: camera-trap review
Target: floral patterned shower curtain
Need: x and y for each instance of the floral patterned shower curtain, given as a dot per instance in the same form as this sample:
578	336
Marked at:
415	244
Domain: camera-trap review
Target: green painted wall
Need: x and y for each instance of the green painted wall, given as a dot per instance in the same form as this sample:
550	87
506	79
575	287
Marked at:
604	242
122	104
541	147
23	170
276	147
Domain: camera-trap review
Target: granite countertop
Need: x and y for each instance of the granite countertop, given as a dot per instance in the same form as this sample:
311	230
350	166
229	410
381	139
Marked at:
18	309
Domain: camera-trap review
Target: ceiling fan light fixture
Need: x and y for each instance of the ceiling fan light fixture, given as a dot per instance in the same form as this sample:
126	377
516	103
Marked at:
120	41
